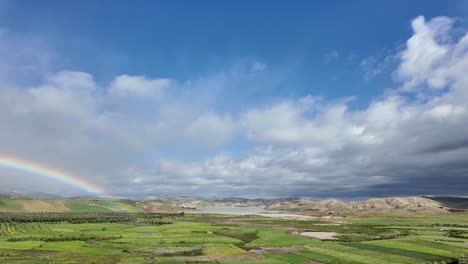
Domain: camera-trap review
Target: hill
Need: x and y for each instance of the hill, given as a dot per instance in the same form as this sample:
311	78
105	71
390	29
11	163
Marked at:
378	205
392	204
177	204
31	195
26	205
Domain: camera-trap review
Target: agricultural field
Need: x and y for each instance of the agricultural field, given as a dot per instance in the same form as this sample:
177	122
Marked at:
213	238
24	205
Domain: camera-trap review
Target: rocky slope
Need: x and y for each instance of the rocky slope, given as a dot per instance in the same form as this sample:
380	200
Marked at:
10	202
393	204
378	205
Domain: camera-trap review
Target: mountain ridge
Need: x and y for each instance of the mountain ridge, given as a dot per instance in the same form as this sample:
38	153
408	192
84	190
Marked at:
404	204
40	202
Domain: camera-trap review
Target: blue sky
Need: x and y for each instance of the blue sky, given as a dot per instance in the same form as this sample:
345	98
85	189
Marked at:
185	39
211	92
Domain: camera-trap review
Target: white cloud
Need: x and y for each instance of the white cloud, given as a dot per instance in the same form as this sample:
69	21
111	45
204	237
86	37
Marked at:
296	146
446	111
299	122
395	145
211	129
140	86
430	55
376	65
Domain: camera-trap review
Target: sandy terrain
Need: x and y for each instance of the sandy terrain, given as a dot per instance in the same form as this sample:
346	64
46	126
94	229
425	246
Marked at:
252	210
320	235
287	216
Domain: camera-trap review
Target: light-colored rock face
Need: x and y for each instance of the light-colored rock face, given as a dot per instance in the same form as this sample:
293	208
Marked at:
399	203
336	204
403	204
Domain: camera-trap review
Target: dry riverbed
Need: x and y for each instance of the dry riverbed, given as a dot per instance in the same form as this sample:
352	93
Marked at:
320	235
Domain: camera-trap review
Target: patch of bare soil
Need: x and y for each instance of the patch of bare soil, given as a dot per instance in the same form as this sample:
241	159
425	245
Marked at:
161	208
152	209
289	216
320	235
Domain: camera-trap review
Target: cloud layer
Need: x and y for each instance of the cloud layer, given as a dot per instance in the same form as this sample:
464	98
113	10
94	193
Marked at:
138	135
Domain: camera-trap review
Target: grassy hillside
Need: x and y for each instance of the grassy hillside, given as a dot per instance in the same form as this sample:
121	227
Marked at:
24	205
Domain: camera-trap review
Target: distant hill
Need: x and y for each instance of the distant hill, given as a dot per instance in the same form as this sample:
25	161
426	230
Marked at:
31	195
378	205
392	204
11	202
26	205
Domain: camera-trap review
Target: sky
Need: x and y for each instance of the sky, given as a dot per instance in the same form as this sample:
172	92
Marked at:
319	99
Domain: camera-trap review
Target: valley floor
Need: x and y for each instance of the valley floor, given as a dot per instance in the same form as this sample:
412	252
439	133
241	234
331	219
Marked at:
231	239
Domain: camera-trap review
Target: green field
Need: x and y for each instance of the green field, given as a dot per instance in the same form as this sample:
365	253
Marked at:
83	205
195	238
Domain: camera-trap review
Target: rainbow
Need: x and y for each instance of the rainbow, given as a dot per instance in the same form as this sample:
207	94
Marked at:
52	173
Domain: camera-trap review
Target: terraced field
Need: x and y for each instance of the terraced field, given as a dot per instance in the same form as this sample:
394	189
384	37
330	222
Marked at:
410	238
